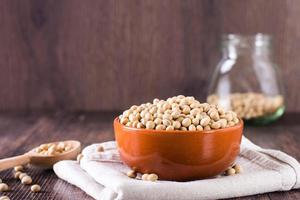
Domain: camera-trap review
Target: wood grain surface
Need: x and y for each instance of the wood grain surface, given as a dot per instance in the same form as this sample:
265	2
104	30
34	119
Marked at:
20	133
107	55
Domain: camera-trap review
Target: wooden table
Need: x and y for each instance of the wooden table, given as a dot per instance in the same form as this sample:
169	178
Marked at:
21	132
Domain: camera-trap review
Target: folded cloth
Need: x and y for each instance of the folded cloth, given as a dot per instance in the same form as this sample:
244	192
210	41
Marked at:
102	175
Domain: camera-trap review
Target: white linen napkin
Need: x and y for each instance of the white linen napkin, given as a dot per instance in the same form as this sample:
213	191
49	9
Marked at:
102	175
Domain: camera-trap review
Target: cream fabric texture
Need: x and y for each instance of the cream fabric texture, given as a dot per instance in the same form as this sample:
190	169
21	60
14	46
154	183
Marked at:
103	176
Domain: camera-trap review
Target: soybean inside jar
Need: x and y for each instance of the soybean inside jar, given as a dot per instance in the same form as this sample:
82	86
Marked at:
247	81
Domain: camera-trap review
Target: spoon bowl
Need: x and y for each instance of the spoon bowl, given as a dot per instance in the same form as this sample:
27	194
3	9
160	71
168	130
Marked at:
47	161
43	161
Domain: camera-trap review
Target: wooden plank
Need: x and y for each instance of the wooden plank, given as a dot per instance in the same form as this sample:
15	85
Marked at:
22	132
294	194
260	197
104	55
44	129
108	55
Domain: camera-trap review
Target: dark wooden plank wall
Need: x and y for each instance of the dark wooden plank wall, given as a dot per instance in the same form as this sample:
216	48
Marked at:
106	55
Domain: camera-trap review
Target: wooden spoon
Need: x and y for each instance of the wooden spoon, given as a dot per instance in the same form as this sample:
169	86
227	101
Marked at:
44	161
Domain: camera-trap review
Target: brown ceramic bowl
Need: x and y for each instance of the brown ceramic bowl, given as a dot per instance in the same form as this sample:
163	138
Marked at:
179	155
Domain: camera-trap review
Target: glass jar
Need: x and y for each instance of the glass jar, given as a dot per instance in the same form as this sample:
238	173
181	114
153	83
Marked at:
246	80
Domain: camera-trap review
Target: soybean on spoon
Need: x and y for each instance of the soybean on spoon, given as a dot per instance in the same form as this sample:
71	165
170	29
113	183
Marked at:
39	160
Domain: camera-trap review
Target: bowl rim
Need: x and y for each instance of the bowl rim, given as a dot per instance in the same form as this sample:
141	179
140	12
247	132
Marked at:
152	131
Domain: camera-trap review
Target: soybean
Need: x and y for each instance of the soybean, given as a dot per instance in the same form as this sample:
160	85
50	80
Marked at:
175	113
4	187
26	180
35	188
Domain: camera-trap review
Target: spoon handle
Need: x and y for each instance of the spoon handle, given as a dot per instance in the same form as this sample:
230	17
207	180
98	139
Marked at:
14	161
